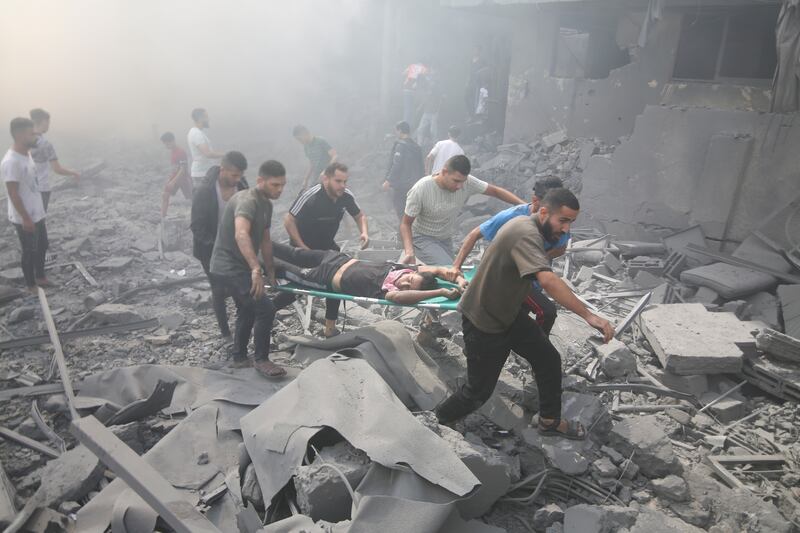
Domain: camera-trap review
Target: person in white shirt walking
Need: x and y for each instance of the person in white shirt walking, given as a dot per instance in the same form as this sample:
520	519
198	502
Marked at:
25	207
203	155
44	156
443	150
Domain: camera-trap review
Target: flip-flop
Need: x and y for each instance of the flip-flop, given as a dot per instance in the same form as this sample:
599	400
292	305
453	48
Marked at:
575	430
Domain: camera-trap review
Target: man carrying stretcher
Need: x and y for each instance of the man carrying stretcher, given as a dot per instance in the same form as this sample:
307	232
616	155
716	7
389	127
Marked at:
338	272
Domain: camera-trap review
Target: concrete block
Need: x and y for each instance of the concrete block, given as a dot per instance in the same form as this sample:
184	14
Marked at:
611	262
789	296
704	295
696	384
321	493
566	455
645	280
251	490
546	516
764	306
729	281
616	359
584	274
585	518
115	314
726	410
690	340
672	488
645	437
554	138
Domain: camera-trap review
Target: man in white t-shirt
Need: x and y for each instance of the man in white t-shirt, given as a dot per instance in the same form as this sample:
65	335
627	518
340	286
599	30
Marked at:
203	155
25	206
44	156
443	150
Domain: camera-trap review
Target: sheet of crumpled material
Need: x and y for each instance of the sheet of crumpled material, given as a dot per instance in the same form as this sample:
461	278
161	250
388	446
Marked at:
196	387
350	397
388	347
398	501
176	458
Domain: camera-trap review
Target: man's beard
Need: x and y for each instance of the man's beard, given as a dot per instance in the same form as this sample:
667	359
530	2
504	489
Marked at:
548	233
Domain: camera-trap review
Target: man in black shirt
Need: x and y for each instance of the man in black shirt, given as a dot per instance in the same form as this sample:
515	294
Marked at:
209	201
313	221
334	271
405	168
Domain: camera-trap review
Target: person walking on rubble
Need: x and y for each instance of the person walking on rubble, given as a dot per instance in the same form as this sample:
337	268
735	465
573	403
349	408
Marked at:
243	233
495	322
429	222
203	155
179	176
313	221
405	168
537	302
320	154
210	199
25	205
443	150
44	156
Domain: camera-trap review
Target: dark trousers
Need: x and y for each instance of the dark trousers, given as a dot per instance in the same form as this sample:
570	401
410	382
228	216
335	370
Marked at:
253	317
45	199
541	306
34	246
487	352
399	201
218	295
319	267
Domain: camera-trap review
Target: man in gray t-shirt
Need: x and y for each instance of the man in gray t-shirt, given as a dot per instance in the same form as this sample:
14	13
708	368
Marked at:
244	232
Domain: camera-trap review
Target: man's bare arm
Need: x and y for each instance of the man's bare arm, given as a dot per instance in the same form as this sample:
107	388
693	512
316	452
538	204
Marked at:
63	171
209	153
466	247
556	252
414	297
266	257
361	221
503	194
16	200
408	240
290	223
561	293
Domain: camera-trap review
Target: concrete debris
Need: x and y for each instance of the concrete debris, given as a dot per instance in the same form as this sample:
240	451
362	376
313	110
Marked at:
616	359
546	516
789	296
251	490
21	314
595	519
114	263
644	439
671	487
690	340
777	344
115	314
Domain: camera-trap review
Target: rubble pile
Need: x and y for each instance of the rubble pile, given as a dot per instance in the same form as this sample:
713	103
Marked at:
690	411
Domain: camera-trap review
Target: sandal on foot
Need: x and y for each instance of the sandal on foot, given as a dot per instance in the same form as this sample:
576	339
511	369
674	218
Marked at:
269	369
575	430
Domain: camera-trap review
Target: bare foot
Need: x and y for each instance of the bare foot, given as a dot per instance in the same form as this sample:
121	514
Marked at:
267	368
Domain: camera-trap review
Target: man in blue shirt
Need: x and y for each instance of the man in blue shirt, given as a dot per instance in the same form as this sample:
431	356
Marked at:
544	309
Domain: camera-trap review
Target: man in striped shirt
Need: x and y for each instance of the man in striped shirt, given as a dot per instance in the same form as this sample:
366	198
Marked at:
313	221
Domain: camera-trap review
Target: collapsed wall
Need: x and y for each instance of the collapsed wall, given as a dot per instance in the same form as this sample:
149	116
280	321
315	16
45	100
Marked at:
726	170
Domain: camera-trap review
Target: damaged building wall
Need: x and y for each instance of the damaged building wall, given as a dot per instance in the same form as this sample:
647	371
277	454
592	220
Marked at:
681	166
606	108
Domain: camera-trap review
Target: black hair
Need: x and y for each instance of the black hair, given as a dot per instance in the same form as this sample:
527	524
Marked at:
428	281
454	132
234	159
20	124
197	113
299	130
543	185
403	127
331	169
458	163
168	137
272	169
39	115
555	199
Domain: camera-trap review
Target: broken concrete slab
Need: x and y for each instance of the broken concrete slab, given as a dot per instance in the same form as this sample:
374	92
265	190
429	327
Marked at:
695	384
652	521
764	307
115	314
688	339
554	138
644	438
671	487
114	263
729	281
251	490
546	516
616	359
321	491
725	410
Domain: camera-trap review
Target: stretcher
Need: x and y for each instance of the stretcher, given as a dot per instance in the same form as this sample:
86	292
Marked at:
437	303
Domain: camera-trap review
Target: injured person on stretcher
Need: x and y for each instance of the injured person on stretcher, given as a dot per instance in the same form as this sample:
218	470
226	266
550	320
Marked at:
334	271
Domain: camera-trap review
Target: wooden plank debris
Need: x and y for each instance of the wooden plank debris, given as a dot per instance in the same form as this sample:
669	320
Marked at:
58	353
19	438
141	477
